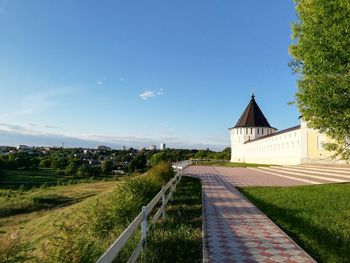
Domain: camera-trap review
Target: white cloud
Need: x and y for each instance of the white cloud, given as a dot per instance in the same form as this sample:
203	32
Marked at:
160	92
99	83
37	135
147	94
121	79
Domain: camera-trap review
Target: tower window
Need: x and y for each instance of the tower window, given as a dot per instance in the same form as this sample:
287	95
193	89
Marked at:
262	131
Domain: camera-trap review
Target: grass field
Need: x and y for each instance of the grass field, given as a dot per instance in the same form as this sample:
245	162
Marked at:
32	214
179	237
229	164
317	217
29	179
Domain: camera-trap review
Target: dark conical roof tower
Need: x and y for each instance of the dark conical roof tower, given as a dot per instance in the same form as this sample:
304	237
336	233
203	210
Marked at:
252	116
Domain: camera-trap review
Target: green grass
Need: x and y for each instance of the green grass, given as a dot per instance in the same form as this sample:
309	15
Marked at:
32	214
47	176
179	237
229	164
317	217
21	200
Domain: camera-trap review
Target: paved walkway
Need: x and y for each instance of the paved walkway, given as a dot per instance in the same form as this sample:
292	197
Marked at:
235	230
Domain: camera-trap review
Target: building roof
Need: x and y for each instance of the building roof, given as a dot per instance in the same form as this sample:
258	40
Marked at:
252	116
274	134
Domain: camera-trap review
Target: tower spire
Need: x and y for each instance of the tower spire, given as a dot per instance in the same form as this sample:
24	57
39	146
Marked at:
252	116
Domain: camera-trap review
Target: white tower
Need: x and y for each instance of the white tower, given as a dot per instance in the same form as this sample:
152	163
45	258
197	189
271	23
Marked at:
162	146
251	125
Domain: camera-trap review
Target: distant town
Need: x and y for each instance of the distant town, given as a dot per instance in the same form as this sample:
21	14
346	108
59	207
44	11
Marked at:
97	162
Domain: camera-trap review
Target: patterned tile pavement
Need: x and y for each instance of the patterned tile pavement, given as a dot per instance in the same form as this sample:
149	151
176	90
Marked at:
235	230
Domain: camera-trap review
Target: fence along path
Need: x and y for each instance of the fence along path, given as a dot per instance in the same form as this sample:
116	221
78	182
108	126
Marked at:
142	220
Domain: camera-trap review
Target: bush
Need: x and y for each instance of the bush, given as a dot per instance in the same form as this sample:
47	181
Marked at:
162	171
75	244
99	225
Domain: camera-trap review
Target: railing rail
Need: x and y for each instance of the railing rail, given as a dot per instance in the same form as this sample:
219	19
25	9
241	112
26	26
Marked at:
199	160
142	219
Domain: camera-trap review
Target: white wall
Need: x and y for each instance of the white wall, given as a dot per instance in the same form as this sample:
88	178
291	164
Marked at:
240	135
282	148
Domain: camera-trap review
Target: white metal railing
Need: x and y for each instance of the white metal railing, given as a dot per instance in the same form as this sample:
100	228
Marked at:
142	219
180	165
199	160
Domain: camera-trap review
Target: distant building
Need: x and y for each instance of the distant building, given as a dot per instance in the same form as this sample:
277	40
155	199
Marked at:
23	147
119	171
123	148
45	150
94	162
102	147
152	147
162	146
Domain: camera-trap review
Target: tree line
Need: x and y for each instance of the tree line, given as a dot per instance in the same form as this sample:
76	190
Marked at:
82	162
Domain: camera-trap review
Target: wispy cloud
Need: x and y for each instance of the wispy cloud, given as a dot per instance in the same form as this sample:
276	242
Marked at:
99	83
39	102
36	135
52	127
32	124
147	94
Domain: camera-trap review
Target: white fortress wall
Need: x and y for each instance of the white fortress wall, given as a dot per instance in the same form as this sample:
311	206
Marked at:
240	135
284	148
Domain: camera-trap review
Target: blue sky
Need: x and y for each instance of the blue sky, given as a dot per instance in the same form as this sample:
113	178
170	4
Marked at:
141	72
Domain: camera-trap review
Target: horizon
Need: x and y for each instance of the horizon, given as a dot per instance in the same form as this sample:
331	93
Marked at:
141	74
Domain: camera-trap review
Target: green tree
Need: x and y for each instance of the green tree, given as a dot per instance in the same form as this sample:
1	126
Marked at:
321	58
138	163
83	171
157	158
45	163
107	166
224	155
72	167
59	163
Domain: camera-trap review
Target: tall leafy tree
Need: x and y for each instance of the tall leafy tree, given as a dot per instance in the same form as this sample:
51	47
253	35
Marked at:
321	58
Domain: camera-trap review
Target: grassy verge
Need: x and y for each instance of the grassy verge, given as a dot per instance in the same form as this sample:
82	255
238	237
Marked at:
22	201
317	217
31	216
229	164
47	176
179	237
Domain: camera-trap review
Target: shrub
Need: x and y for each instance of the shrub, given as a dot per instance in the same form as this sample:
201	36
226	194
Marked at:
99	225
74	244
162	171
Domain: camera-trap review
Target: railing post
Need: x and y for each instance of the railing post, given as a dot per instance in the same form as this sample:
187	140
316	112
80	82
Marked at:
163	202
172	188
144	224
